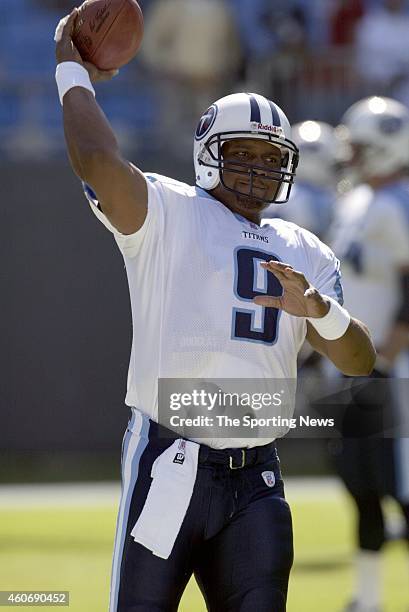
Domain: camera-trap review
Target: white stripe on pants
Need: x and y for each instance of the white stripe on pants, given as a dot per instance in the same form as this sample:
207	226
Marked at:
135	443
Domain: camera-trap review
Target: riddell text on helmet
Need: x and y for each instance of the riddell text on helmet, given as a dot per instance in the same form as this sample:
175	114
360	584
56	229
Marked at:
261	127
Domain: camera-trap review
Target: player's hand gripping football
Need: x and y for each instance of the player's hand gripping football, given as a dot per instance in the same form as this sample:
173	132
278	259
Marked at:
299	298
66	51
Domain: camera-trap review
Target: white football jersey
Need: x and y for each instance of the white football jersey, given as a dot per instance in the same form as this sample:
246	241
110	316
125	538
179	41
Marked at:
193	270
371	236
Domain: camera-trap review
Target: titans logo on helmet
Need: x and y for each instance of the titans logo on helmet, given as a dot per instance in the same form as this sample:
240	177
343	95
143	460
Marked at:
389	124
206	122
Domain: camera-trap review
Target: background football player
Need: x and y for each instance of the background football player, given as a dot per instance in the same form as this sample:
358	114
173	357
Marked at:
312	200
371	235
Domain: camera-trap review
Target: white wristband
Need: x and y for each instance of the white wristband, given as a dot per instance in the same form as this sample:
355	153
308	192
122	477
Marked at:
334	324
69	75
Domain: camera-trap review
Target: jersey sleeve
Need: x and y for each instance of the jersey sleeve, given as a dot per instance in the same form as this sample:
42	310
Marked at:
152	228
325	268
328	280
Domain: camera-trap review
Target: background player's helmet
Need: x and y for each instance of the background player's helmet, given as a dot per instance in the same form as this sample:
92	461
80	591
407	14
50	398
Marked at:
244	115
317	144
376	134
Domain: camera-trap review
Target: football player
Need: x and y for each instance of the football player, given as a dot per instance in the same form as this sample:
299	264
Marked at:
312	199
371	235
213	294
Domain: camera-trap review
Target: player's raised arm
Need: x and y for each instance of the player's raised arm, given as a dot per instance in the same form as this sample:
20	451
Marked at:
92	146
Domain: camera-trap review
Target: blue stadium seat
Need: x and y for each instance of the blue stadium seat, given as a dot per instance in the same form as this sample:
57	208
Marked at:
10	110
130	104
28	49
50	112
14	11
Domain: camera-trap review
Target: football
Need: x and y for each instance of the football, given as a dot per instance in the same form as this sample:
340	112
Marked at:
108	33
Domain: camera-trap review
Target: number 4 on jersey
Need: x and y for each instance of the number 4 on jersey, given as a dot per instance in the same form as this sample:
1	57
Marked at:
255	324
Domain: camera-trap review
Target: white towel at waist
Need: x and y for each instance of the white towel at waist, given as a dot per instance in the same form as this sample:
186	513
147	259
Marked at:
174	475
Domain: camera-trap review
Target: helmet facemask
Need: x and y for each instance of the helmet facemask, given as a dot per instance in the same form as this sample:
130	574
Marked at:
211	156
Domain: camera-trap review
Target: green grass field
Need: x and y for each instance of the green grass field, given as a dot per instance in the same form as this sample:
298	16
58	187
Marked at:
69	548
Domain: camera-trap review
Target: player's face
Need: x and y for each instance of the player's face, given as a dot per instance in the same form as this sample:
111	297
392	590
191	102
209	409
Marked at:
254	152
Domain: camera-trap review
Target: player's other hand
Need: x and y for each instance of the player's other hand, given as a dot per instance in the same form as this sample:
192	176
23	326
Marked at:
66	51
299	298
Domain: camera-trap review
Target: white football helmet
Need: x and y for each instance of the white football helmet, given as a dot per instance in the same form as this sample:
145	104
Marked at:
244	115
317	144
376	134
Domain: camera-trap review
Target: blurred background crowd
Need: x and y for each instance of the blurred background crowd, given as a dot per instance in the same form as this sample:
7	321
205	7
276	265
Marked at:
313	57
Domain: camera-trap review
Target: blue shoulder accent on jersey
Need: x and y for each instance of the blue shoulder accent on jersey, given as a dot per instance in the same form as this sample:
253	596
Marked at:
88	191
151	179
338	285
204	194
91	195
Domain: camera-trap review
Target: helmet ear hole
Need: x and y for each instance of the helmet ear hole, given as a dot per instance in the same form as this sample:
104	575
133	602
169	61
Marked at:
207	179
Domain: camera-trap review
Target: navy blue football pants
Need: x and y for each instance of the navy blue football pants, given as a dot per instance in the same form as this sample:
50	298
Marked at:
236	537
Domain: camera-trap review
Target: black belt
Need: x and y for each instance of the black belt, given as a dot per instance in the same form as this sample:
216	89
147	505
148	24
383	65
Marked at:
236	458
